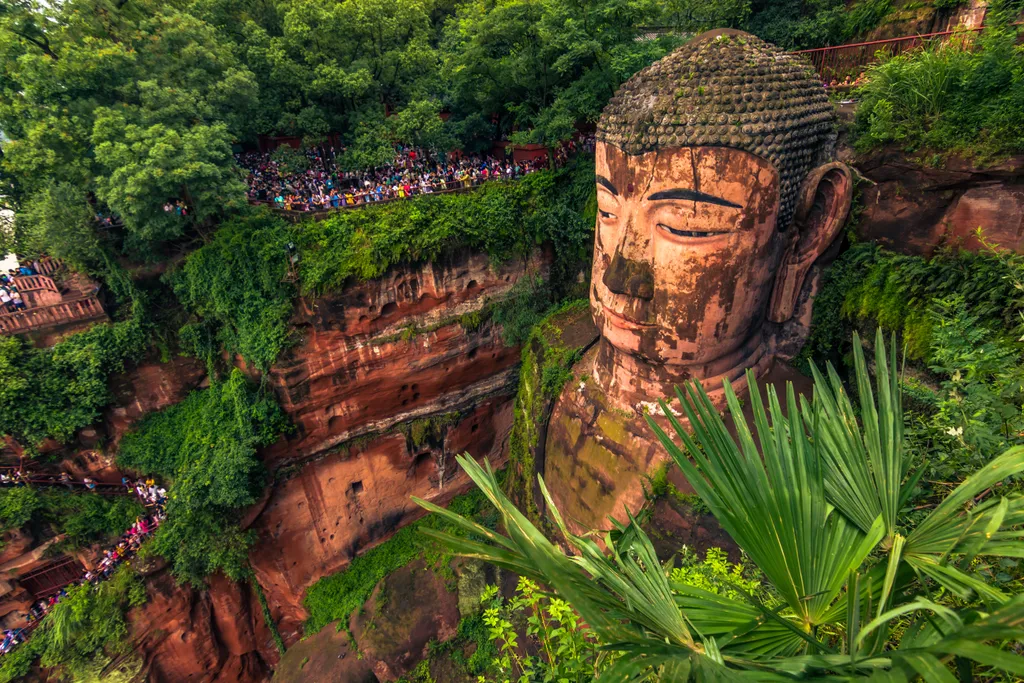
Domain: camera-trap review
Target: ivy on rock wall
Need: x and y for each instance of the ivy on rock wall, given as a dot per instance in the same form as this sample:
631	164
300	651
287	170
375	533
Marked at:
238	291
504	220
51	393
205	448
547	364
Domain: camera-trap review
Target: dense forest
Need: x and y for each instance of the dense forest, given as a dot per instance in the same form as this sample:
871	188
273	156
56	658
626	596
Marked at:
112	111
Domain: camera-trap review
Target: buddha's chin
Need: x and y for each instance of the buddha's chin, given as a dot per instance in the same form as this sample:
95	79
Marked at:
629	341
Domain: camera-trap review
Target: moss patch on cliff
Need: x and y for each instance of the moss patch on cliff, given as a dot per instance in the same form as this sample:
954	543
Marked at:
503	220
335	597
546	367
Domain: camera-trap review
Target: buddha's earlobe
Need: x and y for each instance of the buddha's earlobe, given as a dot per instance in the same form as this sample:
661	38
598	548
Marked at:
821	211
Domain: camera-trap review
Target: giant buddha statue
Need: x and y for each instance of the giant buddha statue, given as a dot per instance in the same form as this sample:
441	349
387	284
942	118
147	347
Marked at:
717	197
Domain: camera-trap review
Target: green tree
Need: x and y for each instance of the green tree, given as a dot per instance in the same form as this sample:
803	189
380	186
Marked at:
420	124
205	447
539	67
814	500
57	220
137	103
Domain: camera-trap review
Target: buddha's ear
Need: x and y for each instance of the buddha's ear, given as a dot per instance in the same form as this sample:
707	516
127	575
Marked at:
821	210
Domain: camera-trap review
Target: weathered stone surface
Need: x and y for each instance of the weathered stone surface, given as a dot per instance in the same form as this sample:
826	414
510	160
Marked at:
406	610
361	369
215	635
916	208
337	506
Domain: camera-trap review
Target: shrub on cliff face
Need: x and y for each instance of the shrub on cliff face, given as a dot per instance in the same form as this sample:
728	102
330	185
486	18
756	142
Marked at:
236	288
948	98
51	393
205	448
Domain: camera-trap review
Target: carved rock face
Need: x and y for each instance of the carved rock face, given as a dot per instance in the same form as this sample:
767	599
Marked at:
686	251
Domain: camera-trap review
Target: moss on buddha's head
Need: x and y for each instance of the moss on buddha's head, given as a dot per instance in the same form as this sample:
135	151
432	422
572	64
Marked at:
727	88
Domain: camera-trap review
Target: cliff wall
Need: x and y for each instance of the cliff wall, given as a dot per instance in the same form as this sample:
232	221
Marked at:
388	380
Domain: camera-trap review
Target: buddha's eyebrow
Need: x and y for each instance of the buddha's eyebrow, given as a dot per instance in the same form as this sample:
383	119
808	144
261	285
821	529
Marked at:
693	196
607	184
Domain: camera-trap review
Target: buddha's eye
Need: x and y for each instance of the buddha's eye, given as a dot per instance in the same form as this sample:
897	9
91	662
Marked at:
688	233
606	215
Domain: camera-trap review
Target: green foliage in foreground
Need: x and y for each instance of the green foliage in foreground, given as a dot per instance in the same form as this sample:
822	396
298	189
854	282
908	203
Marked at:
89	623
335	597
51	393
948	99
815	498
83	517
205	448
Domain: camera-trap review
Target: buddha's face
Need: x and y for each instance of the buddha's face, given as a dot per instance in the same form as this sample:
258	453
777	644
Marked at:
686	251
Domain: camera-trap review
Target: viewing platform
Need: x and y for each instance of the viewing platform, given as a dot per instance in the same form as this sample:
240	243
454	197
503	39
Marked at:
56	301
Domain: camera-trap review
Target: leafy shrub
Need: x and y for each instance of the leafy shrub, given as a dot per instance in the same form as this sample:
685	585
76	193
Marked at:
205	447
567	650
18	506
84	518
88	622
88	518
51	393
715	574
237	287
959	96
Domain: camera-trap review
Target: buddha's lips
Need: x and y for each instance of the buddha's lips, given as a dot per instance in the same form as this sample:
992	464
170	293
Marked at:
619	320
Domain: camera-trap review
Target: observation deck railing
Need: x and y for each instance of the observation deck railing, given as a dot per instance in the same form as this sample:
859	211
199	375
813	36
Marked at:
48	316
838	63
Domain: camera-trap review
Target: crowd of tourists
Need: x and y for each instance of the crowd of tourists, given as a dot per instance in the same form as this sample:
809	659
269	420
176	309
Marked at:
10	298
323	185
150	494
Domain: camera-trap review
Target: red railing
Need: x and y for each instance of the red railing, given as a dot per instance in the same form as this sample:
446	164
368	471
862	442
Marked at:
842	64
48	316
32	283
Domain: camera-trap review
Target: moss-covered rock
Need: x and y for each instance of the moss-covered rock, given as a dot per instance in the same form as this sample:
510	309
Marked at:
553	348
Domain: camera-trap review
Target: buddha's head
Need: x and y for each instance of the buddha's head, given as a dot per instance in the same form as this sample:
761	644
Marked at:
716	193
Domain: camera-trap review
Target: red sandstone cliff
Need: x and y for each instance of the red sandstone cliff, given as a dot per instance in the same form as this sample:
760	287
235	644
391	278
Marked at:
385	387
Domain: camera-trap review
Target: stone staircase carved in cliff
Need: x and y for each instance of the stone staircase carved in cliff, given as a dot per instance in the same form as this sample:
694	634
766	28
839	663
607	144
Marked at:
48	305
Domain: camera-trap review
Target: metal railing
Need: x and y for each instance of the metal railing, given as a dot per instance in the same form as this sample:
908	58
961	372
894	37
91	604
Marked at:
321	212
840	65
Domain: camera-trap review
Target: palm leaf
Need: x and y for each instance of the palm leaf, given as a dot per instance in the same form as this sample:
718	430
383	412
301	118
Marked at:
773	506
865	463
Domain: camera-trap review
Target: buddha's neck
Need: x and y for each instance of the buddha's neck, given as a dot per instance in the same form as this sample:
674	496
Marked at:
630	383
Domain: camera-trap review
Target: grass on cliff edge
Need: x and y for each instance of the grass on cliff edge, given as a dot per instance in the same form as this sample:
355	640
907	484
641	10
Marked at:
335	597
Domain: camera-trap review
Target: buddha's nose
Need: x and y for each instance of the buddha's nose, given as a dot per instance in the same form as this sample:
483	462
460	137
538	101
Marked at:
629	278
